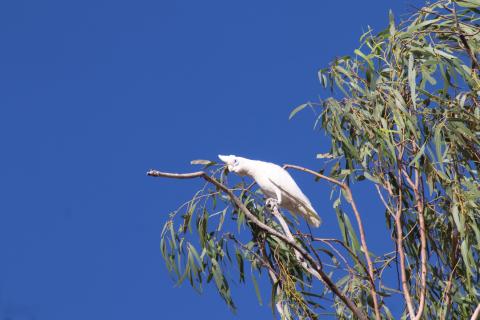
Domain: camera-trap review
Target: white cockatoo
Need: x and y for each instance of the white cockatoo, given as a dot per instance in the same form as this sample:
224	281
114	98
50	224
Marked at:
276	183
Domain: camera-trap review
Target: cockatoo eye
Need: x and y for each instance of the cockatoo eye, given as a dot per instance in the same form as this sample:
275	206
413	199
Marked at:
235	162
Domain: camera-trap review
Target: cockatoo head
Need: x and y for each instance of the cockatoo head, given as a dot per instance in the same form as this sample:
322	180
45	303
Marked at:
235	164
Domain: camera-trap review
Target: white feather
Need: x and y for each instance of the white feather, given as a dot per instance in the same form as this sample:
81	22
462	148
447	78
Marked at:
275	182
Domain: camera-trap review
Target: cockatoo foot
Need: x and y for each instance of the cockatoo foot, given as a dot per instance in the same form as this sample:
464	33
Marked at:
271	204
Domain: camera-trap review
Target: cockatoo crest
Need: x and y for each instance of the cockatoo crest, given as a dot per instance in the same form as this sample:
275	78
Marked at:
235	164
276	183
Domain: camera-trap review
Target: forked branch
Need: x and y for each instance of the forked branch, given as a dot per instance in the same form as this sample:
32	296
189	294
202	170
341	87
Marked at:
253	219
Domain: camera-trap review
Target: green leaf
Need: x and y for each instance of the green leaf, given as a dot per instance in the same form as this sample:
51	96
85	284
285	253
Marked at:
417	156
475	4
203	162
240	264
464	249
353	236
196	256
298	109
370	177
202	228
325	156
222	219
188	216
341	224
186	272
438	143
163	248
392	28
458	222
240	220
172	234
274	296
257	290
323	78
364	57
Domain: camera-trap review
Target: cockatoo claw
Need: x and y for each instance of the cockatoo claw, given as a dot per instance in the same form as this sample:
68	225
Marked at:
271	204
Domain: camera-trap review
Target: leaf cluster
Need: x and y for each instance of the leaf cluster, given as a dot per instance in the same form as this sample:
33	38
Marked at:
404	114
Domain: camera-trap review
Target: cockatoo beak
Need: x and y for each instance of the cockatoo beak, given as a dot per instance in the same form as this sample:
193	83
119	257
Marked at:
228	161
224	158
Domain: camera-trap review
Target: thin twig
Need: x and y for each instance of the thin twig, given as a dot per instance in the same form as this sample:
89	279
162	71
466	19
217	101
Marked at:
415	185
327	242
340	242
351	201
200	174
383	200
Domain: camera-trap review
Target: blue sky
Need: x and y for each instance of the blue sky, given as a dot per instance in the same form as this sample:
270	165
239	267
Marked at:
94	93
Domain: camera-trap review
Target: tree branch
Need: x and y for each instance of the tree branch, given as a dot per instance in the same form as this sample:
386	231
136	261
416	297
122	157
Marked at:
476	314
351	201
415	185
200	174
423	244
399	232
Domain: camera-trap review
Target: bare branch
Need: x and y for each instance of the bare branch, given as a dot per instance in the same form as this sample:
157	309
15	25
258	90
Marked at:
423	244
155	173
418	194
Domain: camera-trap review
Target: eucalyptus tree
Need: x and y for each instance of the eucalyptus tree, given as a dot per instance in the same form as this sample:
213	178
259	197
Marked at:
403	114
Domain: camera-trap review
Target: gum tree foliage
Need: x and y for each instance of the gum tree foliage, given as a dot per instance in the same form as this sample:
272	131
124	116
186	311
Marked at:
404	115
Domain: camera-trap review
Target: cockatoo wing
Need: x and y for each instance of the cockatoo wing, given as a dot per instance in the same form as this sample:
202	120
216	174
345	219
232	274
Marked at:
293	199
